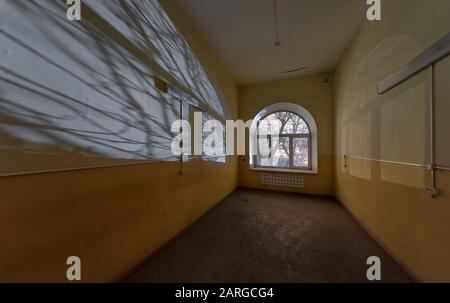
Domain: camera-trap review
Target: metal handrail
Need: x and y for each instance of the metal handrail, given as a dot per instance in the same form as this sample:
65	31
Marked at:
442	168
439	167
386	161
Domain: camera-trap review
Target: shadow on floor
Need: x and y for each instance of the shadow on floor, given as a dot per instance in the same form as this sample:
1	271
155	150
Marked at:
260	236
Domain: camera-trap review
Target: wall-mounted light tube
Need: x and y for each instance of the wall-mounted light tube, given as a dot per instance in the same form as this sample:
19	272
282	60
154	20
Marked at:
430	56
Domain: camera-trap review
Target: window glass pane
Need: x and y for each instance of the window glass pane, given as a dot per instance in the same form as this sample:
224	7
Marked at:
205	118
280	154
284	123
301	152
221	157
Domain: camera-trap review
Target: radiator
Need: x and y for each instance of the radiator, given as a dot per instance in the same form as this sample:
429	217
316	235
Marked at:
282	180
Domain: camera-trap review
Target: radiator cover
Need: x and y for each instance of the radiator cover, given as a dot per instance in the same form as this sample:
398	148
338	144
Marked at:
282	180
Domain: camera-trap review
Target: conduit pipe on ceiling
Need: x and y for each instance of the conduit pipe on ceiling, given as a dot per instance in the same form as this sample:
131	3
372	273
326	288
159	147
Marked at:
276	23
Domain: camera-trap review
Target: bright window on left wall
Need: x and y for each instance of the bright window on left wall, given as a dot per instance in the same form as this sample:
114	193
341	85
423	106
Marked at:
75	94
221	157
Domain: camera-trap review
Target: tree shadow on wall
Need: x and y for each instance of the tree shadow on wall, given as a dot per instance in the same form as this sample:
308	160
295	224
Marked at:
86	88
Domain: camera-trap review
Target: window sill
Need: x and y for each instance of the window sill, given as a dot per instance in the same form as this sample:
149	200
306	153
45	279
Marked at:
285	170
209	160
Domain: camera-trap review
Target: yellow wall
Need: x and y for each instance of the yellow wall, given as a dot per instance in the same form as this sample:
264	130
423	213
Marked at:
317	97
390	199
113	218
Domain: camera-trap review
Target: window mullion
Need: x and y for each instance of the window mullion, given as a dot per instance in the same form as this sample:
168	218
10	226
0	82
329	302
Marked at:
291	151
309	153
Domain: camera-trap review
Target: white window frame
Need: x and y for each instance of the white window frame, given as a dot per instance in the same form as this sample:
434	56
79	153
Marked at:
309	120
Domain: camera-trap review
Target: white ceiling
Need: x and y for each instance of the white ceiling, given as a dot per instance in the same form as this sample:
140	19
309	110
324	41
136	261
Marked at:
313	33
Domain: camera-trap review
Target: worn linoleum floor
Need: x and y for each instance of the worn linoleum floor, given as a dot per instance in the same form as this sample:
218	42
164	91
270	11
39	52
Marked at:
262	236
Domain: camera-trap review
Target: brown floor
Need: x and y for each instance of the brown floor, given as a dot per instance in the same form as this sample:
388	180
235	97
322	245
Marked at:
260	236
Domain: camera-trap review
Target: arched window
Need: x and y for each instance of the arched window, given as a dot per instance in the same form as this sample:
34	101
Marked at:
284	138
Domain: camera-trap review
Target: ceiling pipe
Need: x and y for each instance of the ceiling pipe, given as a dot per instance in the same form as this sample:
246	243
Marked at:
277	27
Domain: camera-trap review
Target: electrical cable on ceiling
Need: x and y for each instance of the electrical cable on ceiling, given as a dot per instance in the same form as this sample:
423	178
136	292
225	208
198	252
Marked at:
294	70
277	29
